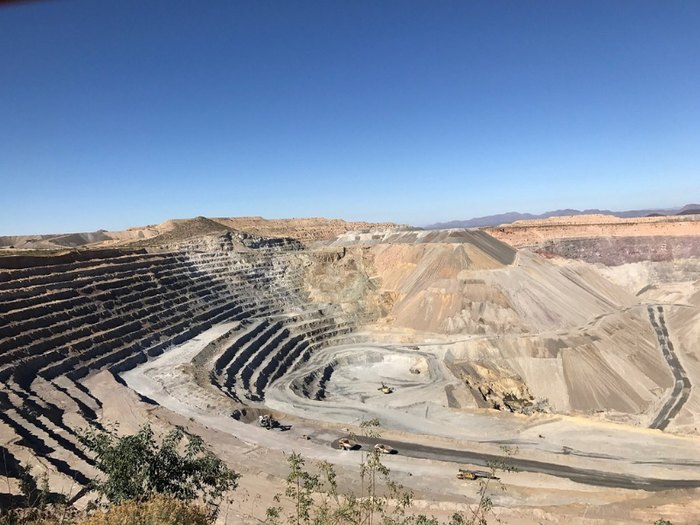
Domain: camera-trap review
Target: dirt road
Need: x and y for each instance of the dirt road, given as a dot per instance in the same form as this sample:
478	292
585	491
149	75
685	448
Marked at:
578	475
681	388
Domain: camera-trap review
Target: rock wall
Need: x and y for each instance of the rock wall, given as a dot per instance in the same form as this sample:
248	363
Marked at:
613	251
68	316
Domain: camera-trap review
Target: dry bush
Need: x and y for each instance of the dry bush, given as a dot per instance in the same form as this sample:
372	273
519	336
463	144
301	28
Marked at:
160	510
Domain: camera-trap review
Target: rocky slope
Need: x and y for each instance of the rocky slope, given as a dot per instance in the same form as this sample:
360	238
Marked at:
536	232
517	328
505	218
176	230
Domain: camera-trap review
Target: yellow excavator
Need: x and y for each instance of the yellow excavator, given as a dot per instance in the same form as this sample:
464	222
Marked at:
471	475
466	474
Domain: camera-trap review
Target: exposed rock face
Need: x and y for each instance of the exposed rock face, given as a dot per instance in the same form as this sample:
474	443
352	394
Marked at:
622	250
609	363
606	240
533	233
179	230
68	316
498	388
306	230
345	277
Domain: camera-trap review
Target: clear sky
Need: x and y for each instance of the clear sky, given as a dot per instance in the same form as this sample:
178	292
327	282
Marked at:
130	112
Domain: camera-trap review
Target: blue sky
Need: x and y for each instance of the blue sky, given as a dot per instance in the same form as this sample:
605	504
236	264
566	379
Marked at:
114	114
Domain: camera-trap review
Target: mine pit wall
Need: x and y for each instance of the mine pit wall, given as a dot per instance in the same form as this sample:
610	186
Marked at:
267	351
614	251
346	277
31	263
67	316
521	234
73	315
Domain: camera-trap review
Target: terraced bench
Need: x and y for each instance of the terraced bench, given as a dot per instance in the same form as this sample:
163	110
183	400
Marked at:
61	322
23	273
83	275
237	363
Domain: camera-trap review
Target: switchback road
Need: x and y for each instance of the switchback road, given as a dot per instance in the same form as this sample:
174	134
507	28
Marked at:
681	388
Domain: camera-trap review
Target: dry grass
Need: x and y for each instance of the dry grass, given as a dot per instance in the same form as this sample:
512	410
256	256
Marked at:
160	510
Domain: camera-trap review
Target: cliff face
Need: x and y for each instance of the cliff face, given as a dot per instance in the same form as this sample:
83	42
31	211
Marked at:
606	240
533	233
613	251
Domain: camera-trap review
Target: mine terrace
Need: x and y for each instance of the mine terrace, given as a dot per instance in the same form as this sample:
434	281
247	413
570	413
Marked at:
573	339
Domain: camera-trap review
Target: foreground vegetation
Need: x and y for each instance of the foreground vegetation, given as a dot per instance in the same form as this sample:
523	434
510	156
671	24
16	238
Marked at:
137	468
315	499
144	481
177	481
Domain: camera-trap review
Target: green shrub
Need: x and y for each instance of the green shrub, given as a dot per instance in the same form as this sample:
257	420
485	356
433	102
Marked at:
137	467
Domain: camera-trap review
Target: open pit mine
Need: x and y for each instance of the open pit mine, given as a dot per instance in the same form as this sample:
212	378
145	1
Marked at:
576	341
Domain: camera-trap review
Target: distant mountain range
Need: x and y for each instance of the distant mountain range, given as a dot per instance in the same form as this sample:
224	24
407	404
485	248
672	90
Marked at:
506	218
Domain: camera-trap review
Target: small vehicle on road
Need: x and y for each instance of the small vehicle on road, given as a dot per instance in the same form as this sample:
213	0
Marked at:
347	444
385	449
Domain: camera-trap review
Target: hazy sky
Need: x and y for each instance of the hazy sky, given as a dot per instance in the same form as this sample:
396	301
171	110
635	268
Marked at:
123	113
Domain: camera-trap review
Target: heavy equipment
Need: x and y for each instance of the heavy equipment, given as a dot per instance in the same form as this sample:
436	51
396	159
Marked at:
347	444
267	421
385	389
466	474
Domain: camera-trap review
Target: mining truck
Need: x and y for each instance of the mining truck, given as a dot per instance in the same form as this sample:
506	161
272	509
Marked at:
384	449
385	389
347	444
267	421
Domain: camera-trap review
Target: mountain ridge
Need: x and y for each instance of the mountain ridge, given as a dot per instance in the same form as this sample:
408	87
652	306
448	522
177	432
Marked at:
509	217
